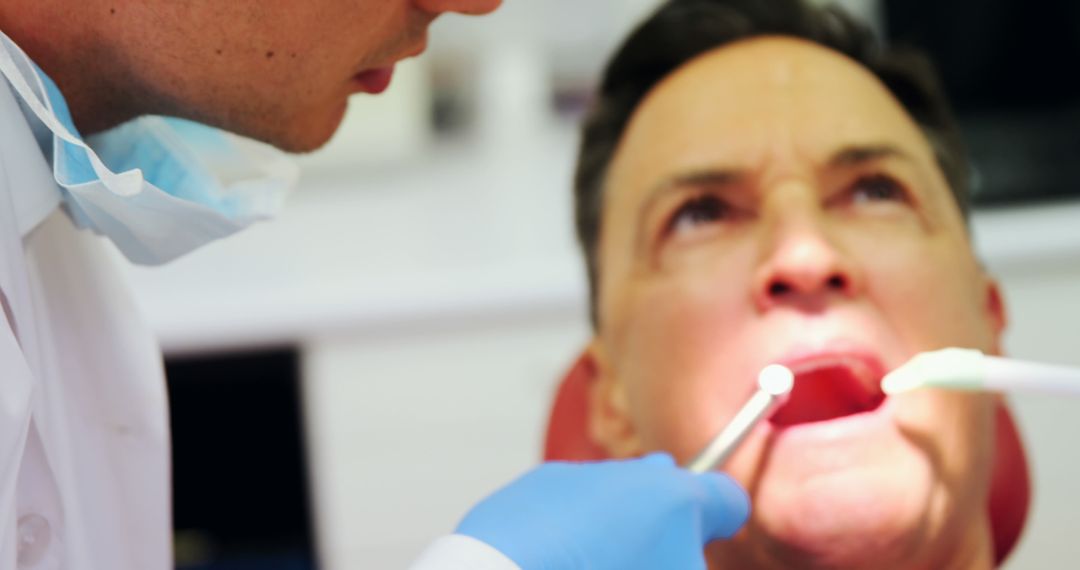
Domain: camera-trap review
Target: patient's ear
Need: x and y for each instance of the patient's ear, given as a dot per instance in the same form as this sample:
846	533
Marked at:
996	313
610	424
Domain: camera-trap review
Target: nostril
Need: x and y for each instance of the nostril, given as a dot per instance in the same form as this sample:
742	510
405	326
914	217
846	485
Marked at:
837	282
779	288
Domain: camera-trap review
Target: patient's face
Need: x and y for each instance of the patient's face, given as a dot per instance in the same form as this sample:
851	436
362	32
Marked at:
770	202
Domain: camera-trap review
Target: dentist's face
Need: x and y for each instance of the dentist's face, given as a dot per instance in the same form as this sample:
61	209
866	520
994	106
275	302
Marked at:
770	202
276	70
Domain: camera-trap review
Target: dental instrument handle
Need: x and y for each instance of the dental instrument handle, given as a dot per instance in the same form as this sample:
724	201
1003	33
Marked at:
774	385
727	441
971	370
1008	375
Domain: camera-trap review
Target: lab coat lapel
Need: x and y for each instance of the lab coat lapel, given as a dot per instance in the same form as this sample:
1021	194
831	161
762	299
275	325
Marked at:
28	194
15	375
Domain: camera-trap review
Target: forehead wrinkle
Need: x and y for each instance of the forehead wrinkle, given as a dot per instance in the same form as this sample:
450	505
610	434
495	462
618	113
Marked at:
777	125
768	67
689	118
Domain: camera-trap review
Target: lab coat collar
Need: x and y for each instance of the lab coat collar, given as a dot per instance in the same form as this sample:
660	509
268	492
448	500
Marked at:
34	194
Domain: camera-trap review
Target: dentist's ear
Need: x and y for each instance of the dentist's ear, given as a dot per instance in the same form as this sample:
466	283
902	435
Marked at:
610	424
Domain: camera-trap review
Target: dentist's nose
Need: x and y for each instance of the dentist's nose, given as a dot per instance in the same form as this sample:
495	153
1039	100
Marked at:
468	7
802	268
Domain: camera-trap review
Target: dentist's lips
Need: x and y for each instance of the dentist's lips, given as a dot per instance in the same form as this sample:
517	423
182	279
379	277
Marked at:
374	81
828	387
377	79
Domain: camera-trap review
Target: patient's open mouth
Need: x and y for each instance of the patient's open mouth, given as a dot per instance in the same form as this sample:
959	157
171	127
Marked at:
829	388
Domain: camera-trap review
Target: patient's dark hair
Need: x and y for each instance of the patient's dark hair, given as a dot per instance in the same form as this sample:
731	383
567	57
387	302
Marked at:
680	30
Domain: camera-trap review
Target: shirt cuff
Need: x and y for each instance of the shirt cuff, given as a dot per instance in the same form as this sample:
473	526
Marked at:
460	552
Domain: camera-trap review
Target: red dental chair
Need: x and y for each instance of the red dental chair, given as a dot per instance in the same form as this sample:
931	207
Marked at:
1010	490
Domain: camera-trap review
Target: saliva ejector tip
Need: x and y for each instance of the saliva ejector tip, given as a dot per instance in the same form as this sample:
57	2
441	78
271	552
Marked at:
958	368
897	382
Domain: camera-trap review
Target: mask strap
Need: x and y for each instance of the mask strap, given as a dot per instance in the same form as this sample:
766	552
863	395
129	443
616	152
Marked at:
124	184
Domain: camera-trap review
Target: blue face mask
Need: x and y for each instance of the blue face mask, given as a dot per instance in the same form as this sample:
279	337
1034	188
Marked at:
157	187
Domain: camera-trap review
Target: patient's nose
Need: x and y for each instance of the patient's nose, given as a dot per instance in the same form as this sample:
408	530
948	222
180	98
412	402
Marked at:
803	268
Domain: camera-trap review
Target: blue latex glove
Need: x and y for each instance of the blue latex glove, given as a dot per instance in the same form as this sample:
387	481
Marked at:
620	515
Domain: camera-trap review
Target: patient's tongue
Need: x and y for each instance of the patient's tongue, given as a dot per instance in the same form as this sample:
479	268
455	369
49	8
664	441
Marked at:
827	393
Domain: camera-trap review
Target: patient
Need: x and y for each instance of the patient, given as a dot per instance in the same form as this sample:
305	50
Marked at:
757	184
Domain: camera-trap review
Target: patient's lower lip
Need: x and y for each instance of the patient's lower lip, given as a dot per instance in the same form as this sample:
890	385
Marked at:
374	81
815	442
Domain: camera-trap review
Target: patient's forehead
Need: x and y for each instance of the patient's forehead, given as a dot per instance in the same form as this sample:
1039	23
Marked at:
758	103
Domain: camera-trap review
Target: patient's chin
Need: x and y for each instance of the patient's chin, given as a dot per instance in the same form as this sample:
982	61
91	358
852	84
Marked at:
846	520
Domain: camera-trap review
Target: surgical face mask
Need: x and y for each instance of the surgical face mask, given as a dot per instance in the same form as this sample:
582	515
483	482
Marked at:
157	187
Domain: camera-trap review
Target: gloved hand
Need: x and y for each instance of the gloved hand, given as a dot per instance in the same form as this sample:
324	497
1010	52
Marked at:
620	515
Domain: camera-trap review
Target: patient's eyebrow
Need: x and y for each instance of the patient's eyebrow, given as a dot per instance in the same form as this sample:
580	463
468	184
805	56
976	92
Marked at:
855	155
846	157
705	177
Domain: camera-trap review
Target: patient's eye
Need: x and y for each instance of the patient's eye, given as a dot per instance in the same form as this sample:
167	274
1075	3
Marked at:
877	188
697	211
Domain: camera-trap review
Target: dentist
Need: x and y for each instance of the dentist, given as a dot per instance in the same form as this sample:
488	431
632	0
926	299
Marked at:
86	158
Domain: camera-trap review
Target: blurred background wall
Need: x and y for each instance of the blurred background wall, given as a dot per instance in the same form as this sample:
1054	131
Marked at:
348	379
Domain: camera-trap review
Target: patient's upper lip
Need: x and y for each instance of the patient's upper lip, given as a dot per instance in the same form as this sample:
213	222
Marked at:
830	384
867	366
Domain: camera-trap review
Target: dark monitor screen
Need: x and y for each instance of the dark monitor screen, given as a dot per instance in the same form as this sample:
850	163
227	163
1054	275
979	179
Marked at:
239	470
1010	69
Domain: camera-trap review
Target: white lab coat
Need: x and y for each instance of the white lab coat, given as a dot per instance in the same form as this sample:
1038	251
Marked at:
84	471
84	446
457	552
